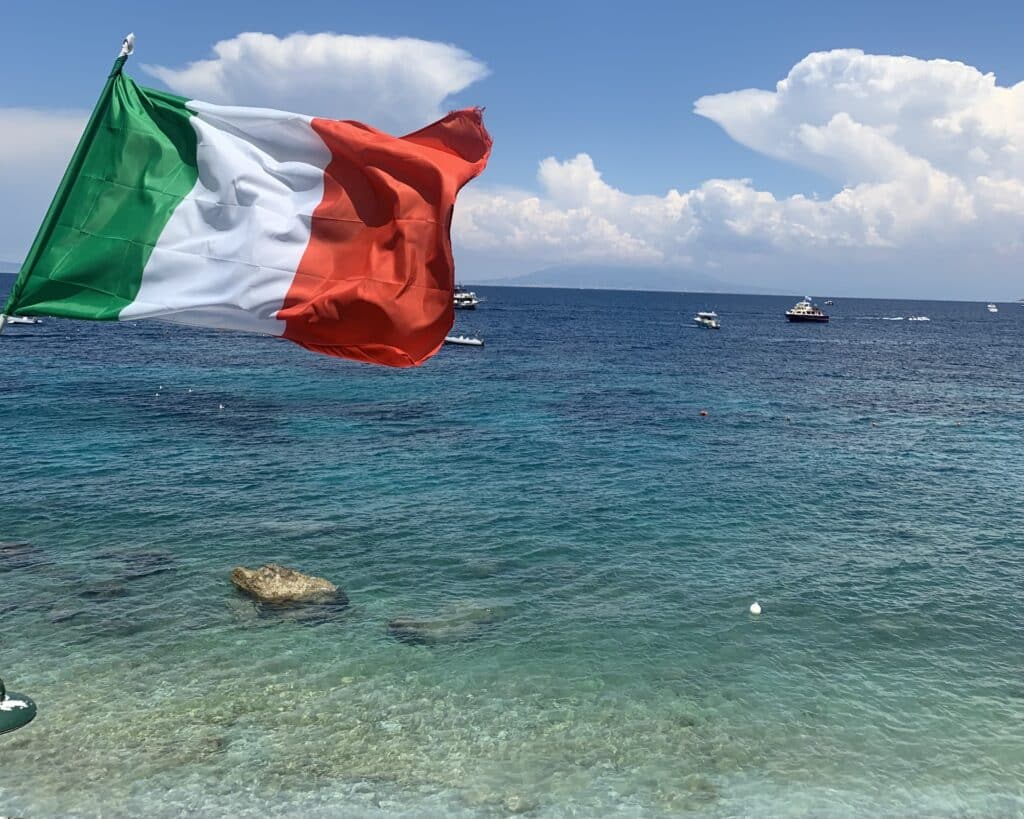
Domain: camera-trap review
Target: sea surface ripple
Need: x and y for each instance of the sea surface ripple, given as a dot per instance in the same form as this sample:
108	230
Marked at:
559	495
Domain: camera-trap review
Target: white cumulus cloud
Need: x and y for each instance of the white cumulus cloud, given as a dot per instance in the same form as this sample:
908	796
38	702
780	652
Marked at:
928	156
397	84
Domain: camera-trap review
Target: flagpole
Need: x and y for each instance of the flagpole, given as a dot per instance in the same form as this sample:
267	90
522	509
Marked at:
64	189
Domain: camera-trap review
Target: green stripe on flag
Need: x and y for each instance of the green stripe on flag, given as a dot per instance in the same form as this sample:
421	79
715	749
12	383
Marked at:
138	166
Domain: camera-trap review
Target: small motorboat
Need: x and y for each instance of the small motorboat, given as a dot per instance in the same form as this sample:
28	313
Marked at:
992	308
708	320
829	302
465	341
918	318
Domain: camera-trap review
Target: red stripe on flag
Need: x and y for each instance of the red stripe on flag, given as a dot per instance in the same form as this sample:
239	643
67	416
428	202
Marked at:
376	280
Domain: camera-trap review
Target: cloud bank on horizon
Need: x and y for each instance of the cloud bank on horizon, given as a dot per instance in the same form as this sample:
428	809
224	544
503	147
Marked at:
927	157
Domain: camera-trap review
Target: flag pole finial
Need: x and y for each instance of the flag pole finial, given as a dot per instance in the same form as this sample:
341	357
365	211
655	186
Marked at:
127	47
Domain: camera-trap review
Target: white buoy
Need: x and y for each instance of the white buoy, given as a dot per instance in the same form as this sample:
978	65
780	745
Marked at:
755	608
221	406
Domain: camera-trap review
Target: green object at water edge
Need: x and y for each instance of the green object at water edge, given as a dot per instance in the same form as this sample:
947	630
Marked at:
16	710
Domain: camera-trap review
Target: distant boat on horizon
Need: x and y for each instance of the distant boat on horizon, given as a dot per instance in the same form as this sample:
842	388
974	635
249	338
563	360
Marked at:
806	311
708	320
464	299
992	308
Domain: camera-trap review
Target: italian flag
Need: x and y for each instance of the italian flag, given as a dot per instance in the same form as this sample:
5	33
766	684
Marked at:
329	233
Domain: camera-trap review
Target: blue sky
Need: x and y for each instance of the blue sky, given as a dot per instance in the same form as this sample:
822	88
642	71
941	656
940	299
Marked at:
616	82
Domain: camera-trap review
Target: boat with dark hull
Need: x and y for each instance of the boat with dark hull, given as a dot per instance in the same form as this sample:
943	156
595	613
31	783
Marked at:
806	311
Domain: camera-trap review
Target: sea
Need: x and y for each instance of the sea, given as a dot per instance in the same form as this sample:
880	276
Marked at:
576	517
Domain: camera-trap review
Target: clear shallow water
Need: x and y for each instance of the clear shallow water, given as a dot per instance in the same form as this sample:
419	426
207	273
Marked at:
561	485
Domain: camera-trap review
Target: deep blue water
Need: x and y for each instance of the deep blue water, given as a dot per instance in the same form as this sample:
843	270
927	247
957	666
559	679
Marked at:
557	496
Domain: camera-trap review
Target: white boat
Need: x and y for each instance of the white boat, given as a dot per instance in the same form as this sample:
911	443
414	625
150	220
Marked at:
465	341
992	308
918	318
806	311
708	320
24	320
464	299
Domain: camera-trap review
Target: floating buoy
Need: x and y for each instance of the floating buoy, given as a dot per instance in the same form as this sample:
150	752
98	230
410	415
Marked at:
703	413
755	608
220	406
190	389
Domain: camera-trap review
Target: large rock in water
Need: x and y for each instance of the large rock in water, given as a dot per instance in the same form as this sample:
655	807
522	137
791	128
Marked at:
277	584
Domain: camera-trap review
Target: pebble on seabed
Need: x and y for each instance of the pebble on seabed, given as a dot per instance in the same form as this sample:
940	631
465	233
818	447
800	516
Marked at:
755	608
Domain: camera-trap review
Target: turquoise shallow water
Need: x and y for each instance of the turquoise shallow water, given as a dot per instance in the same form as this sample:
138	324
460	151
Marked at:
559	492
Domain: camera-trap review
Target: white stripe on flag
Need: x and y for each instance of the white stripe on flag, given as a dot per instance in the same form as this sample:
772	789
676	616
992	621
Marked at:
229	252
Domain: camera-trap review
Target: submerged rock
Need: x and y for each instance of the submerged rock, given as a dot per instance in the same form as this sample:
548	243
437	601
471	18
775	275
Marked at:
134	565
465	622
64	615
20	554
277	584
308	613
516	803
102	590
